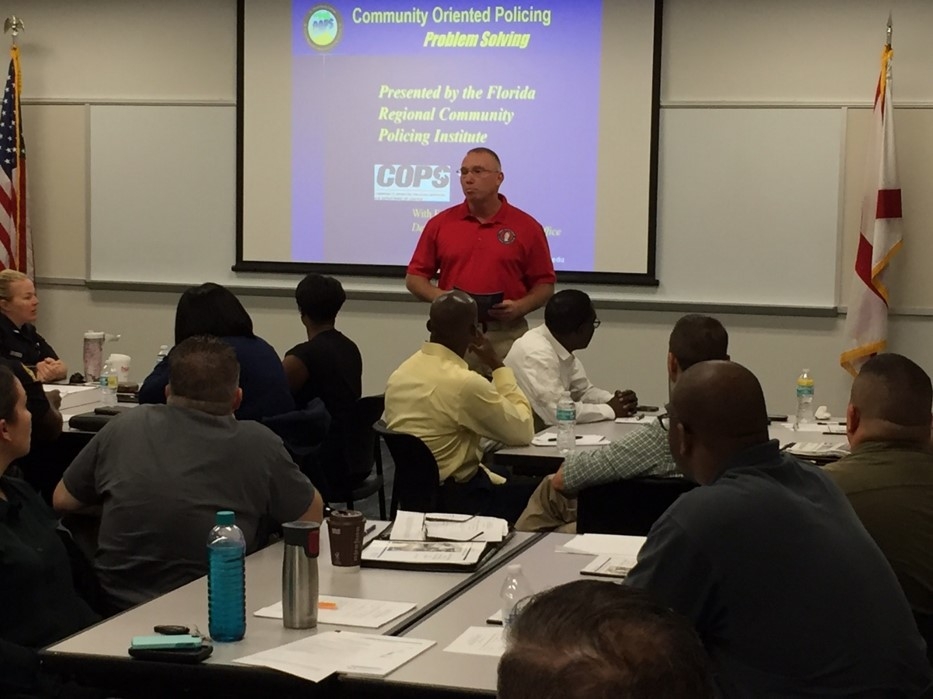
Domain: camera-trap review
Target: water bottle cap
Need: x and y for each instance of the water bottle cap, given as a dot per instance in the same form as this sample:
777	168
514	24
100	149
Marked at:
93	335
225	518
514	568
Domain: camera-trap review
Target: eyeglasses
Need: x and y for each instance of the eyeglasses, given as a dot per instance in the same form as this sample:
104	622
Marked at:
664	419
475	171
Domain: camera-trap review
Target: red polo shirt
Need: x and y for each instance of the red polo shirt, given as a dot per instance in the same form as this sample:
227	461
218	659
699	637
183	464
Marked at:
508	254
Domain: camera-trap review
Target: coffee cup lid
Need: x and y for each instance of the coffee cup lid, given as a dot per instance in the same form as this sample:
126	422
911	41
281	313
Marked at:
307	535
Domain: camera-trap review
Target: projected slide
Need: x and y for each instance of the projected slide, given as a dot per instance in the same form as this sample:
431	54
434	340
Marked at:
356	117
386	102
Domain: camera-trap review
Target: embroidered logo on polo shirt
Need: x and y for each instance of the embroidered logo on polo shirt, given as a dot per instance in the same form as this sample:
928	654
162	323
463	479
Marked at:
506	236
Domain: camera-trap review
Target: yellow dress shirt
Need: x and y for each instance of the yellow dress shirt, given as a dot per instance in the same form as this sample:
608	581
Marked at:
434	396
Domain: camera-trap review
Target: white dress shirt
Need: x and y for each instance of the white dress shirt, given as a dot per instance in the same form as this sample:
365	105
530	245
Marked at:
544	369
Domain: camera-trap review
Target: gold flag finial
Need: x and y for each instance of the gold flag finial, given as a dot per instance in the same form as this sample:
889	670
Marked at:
14	25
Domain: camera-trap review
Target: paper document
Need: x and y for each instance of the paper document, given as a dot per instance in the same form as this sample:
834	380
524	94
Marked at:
549	439
488	529
639	419
441	526
604	544
609	566
347	611
74	396
479	640
408	526
425	552
818	449
316	657
832	427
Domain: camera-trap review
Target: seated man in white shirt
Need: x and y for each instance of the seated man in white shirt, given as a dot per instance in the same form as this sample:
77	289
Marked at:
642	452
545	366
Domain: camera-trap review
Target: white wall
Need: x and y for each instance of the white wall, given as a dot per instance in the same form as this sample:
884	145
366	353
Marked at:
758	52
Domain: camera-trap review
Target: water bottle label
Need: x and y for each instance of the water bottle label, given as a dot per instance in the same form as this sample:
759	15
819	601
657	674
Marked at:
566	414
804	391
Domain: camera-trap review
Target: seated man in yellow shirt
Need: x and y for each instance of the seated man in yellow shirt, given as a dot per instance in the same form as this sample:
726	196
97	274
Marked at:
434	396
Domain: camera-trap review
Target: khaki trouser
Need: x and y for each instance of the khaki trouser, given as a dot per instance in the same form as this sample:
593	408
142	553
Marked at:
548	511
501	334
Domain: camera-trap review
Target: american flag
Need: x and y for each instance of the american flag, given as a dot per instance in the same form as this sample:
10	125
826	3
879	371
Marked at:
880	236
15	242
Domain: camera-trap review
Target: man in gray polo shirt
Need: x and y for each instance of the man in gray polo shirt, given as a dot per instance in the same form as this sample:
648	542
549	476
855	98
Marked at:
161	472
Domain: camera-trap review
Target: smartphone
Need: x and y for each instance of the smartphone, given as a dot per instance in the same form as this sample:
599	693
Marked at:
173	655
647	409
166	642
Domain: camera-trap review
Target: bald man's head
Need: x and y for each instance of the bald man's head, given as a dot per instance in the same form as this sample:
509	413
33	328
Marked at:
717	410
452	321
891	400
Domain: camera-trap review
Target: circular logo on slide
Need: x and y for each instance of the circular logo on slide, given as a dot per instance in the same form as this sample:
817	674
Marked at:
506	236
323	27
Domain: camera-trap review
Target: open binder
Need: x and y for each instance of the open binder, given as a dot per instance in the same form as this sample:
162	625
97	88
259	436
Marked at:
437	542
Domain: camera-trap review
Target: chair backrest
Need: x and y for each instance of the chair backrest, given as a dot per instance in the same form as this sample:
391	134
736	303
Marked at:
628	506
359	439
417	480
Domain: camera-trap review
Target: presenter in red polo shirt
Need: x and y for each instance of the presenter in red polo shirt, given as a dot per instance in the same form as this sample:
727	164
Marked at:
485	246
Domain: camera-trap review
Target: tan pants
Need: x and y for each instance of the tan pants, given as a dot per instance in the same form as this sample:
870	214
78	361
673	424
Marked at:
501	335
548	511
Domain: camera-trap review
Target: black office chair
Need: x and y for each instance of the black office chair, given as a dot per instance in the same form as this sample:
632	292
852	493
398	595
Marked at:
362	450
302	431
417	486
628	506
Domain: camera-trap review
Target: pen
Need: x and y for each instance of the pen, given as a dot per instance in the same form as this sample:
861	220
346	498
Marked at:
326	605
369	530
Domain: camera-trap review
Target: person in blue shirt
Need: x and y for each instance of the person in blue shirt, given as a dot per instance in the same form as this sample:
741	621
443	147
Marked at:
211	309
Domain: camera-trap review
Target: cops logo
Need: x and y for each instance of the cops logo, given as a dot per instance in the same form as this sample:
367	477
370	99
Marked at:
506	236
323	27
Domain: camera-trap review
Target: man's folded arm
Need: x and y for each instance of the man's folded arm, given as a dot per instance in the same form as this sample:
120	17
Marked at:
497	410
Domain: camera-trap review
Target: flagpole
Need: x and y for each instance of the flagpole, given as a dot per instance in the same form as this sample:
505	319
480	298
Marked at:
888	32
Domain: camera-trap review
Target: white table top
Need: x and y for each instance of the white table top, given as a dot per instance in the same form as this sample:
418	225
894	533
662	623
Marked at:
549	458
544	568
188	605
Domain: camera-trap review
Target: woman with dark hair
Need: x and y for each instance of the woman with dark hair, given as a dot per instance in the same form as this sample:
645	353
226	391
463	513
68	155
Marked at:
40	603
211	309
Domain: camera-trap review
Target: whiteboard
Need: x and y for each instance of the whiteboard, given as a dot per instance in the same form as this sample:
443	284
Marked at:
748	205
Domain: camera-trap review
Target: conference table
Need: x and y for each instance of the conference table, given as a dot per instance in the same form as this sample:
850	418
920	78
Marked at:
441	673
536	461
98	655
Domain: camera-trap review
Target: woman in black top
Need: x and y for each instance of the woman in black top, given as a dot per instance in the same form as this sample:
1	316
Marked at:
19	340
40	603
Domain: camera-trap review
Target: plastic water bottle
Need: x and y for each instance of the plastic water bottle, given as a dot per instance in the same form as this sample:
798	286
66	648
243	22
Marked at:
804	398
107	383
566	421
163	353
226	579
515	588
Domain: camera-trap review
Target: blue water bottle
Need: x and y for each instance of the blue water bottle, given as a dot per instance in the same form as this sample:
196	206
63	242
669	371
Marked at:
226	579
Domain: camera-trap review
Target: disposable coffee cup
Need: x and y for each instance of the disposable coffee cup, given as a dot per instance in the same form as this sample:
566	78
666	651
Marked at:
120	364
345	530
